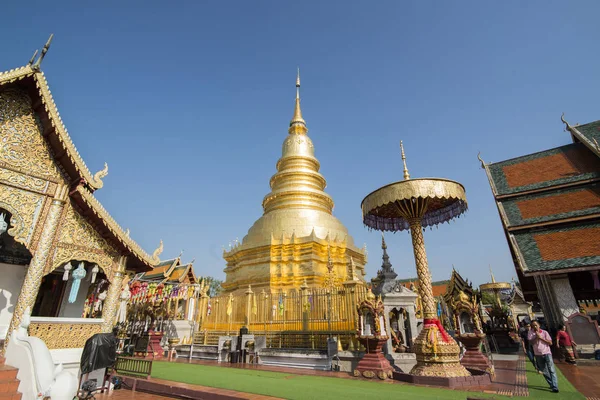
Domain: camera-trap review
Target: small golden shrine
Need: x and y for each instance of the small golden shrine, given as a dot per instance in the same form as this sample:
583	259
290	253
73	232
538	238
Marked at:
372	335
291	242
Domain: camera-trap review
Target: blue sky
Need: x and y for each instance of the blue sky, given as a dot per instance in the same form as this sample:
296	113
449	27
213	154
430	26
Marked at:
189	103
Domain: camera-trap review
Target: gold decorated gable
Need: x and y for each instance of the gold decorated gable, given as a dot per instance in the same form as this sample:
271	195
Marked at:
23	148
79	240
37	154
24	207
38	86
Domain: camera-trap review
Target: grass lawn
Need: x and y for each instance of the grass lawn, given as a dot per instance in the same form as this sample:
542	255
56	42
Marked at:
289	386
538	387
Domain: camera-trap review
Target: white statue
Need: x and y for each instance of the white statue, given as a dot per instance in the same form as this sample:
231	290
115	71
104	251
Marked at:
3	223
39	377
123	299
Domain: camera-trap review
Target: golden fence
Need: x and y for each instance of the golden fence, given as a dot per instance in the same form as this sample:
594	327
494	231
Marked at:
302	311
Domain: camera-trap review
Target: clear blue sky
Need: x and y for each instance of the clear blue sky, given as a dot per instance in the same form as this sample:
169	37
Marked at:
189	103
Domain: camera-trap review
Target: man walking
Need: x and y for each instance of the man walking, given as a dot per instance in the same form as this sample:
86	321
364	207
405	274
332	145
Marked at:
541	342
527	347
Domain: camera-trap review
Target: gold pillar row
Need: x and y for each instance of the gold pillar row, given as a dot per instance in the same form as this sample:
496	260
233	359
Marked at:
35	272
109	309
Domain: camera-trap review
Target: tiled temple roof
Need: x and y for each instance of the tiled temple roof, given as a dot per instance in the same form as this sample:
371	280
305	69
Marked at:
559	247
562	165
553	205
549	204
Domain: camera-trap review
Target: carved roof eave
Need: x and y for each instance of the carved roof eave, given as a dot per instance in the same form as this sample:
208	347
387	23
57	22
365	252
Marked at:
115	229
59	129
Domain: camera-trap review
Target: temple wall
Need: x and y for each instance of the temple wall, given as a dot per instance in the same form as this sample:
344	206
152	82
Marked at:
10	287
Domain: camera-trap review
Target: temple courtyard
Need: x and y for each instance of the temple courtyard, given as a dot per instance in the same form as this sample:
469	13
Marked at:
209	380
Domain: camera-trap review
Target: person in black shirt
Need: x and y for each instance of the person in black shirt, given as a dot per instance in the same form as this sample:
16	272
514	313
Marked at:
527	348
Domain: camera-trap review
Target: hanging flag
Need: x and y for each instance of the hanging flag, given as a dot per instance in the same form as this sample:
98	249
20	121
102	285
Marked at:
78	275
230	305
209	308
280	305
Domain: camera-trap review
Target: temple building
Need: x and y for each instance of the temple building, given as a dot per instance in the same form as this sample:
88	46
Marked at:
549	206
297	235
59	245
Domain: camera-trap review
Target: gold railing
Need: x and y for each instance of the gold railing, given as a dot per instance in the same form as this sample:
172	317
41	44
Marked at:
296	319
64	334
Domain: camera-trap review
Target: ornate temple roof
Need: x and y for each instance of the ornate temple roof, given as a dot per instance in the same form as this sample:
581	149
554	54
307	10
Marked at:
172	271
549	204
83	183
297	204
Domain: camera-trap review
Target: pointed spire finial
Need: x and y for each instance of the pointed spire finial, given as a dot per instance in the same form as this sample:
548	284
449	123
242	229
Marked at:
492	275
383	245
406	174
32	59
297	124
298	84
37	64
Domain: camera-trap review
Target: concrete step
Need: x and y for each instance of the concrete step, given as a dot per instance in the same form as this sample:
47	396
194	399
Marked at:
9	384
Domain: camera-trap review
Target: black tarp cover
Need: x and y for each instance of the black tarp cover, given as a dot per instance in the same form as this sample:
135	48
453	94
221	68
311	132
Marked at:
100	351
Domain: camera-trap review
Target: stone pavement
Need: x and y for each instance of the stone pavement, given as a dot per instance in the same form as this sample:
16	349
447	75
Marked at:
585	378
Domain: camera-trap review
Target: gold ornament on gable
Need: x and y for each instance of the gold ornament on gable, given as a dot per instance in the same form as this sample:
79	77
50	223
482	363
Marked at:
23	206
22	144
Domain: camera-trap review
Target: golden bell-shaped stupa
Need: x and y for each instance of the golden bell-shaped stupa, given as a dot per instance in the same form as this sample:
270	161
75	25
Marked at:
290	242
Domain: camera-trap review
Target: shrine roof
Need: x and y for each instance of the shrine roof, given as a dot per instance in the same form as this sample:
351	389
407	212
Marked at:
557	248
181	272
562	165
33	82
162	270
552	205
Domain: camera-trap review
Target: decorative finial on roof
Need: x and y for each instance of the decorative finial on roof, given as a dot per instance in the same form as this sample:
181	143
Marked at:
567	126
386	266
492	275
481	160
180	254
406	174
193	260
98	176
157	253
329	261
596	144
297	124
127	232
37	64
32	59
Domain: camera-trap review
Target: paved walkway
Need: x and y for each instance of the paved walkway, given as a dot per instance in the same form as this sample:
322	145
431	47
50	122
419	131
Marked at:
585	378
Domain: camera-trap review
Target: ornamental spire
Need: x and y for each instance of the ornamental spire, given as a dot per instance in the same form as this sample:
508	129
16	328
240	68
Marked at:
386	266
297	124
406	174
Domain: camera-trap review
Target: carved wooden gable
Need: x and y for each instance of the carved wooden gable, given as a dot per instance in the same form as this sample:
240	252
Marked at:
22	146
80	240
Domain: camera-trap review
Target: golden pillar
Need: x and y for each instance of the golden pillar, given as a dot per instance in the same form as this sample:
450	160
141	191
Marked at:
35	272
249	293
423	274
109	309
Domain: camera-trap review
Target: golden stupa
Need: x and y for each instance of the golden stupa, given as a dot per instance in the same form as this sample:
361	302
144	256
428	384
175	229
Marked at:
297	238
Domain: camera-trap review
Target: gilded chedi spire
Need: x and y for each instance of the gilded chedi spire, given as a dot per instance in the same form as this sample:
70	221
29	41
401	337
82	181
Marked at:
297	238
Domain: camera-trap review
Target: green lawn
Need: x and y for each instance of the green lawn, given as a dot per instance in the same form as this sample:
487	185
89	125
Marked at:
289	386
538	387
